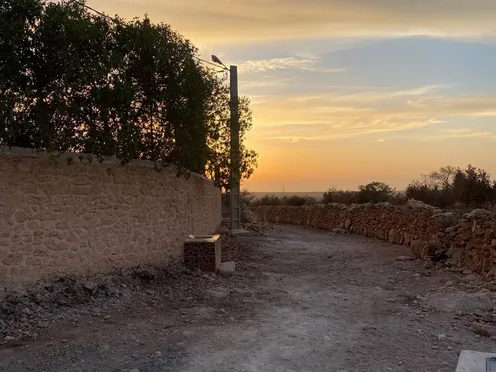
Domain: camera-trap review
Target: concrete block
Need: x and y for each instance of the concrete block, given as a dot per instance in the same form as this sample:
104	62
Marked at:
473	361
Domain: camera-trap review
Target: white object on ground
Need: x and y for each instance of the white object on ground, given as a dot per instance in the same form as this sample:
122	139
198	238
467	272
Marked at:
473	361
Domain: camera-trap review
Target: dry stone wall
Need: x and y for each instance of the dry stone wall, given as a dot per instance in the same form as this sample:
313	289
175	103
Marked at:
472	241
467	242
65	216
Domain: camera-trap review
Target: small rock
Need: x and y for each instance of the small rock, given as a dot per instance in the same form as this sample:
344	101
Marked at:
467	272
400	363
27	311
65	340
449	283
9	338
134	370
106	317
450	348
227	268
404	258
158	354
339	231
218	292
470	278
441	336
369	328
483	329
435	347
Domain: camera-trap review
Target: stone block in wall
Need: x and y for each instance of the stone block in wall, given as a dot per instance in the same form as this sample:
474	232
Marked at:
203	253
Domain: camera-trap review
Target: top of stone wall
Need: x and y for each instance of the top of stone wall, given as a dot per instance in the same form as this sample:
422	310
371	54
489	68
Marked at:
6	151
479	214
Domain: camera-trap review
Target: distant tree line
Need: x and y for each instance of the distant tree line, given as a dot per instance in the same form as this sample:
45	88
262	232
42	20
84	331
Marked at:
272	200
74	80
447	187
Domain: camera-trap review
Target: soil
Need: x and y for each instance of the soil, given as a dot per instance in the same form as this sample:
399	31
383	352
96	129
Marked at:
301	300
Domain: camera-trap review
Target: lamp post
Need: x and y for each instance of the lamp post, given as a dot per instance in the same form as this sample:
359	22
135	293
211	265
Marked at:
234	182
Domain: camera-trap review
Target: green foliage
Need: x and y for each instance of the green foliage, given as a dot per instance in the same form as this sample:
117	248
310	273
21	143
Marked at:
449	186
374	192
71	80
219	134
267	200
333	195
247	197
473	187
292	201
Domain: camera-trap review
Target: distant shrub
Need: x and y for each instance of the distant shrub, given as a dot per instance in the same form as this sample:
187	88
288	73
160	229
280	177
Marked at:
334	195
375	192
452	187
292	201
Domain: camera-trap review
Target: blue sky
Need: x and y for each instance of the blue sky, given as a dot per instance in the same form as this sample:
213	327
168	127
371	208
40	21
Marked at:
351	91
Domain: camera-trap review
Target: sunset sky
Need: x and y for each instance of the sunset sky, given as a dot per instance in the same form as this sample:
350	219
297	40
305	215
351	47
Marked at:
345	92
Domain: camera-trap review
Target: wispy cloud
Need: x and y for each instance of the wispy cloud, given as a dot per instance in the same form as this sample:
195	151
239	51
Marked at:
264	82
464	133
286	63
309	118
418	91
367	96
325	132
263	20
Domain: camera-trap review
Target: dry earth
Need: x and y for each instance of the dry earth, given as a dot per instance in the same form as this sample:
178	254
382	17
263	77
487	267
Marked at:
303	300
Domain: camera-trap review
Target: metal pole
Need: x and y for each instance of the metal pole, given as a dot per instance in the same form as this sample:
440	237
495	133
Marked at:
235	191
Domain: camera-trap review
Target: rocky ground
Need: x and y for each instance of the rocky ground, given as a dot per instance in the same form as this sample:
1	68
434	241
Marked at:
301	300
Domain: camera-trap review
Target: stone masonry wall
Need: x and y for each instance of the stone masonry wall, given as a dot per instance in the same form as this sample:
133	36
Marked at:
66	216
468	242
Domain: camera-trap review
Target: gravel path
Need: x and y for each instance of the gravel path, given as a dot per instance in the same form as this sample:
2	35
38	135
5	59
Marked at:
303	300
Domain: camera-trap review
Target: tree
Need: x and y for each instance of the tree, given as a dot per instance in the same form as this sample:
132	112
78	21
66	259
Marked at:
333	195
423	191
247	197
72	80
374	192
435	189
449	185
267	200
218	163
444	177
473	187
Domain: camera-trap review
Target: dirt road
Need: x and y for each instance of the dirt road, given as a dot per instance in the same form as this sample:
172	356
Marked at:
304	300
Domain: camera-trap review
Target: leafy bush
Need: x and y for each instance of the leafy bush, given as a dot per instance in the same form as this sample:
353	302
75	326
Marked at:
374	192
333	195
293	201
72	80
450	186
